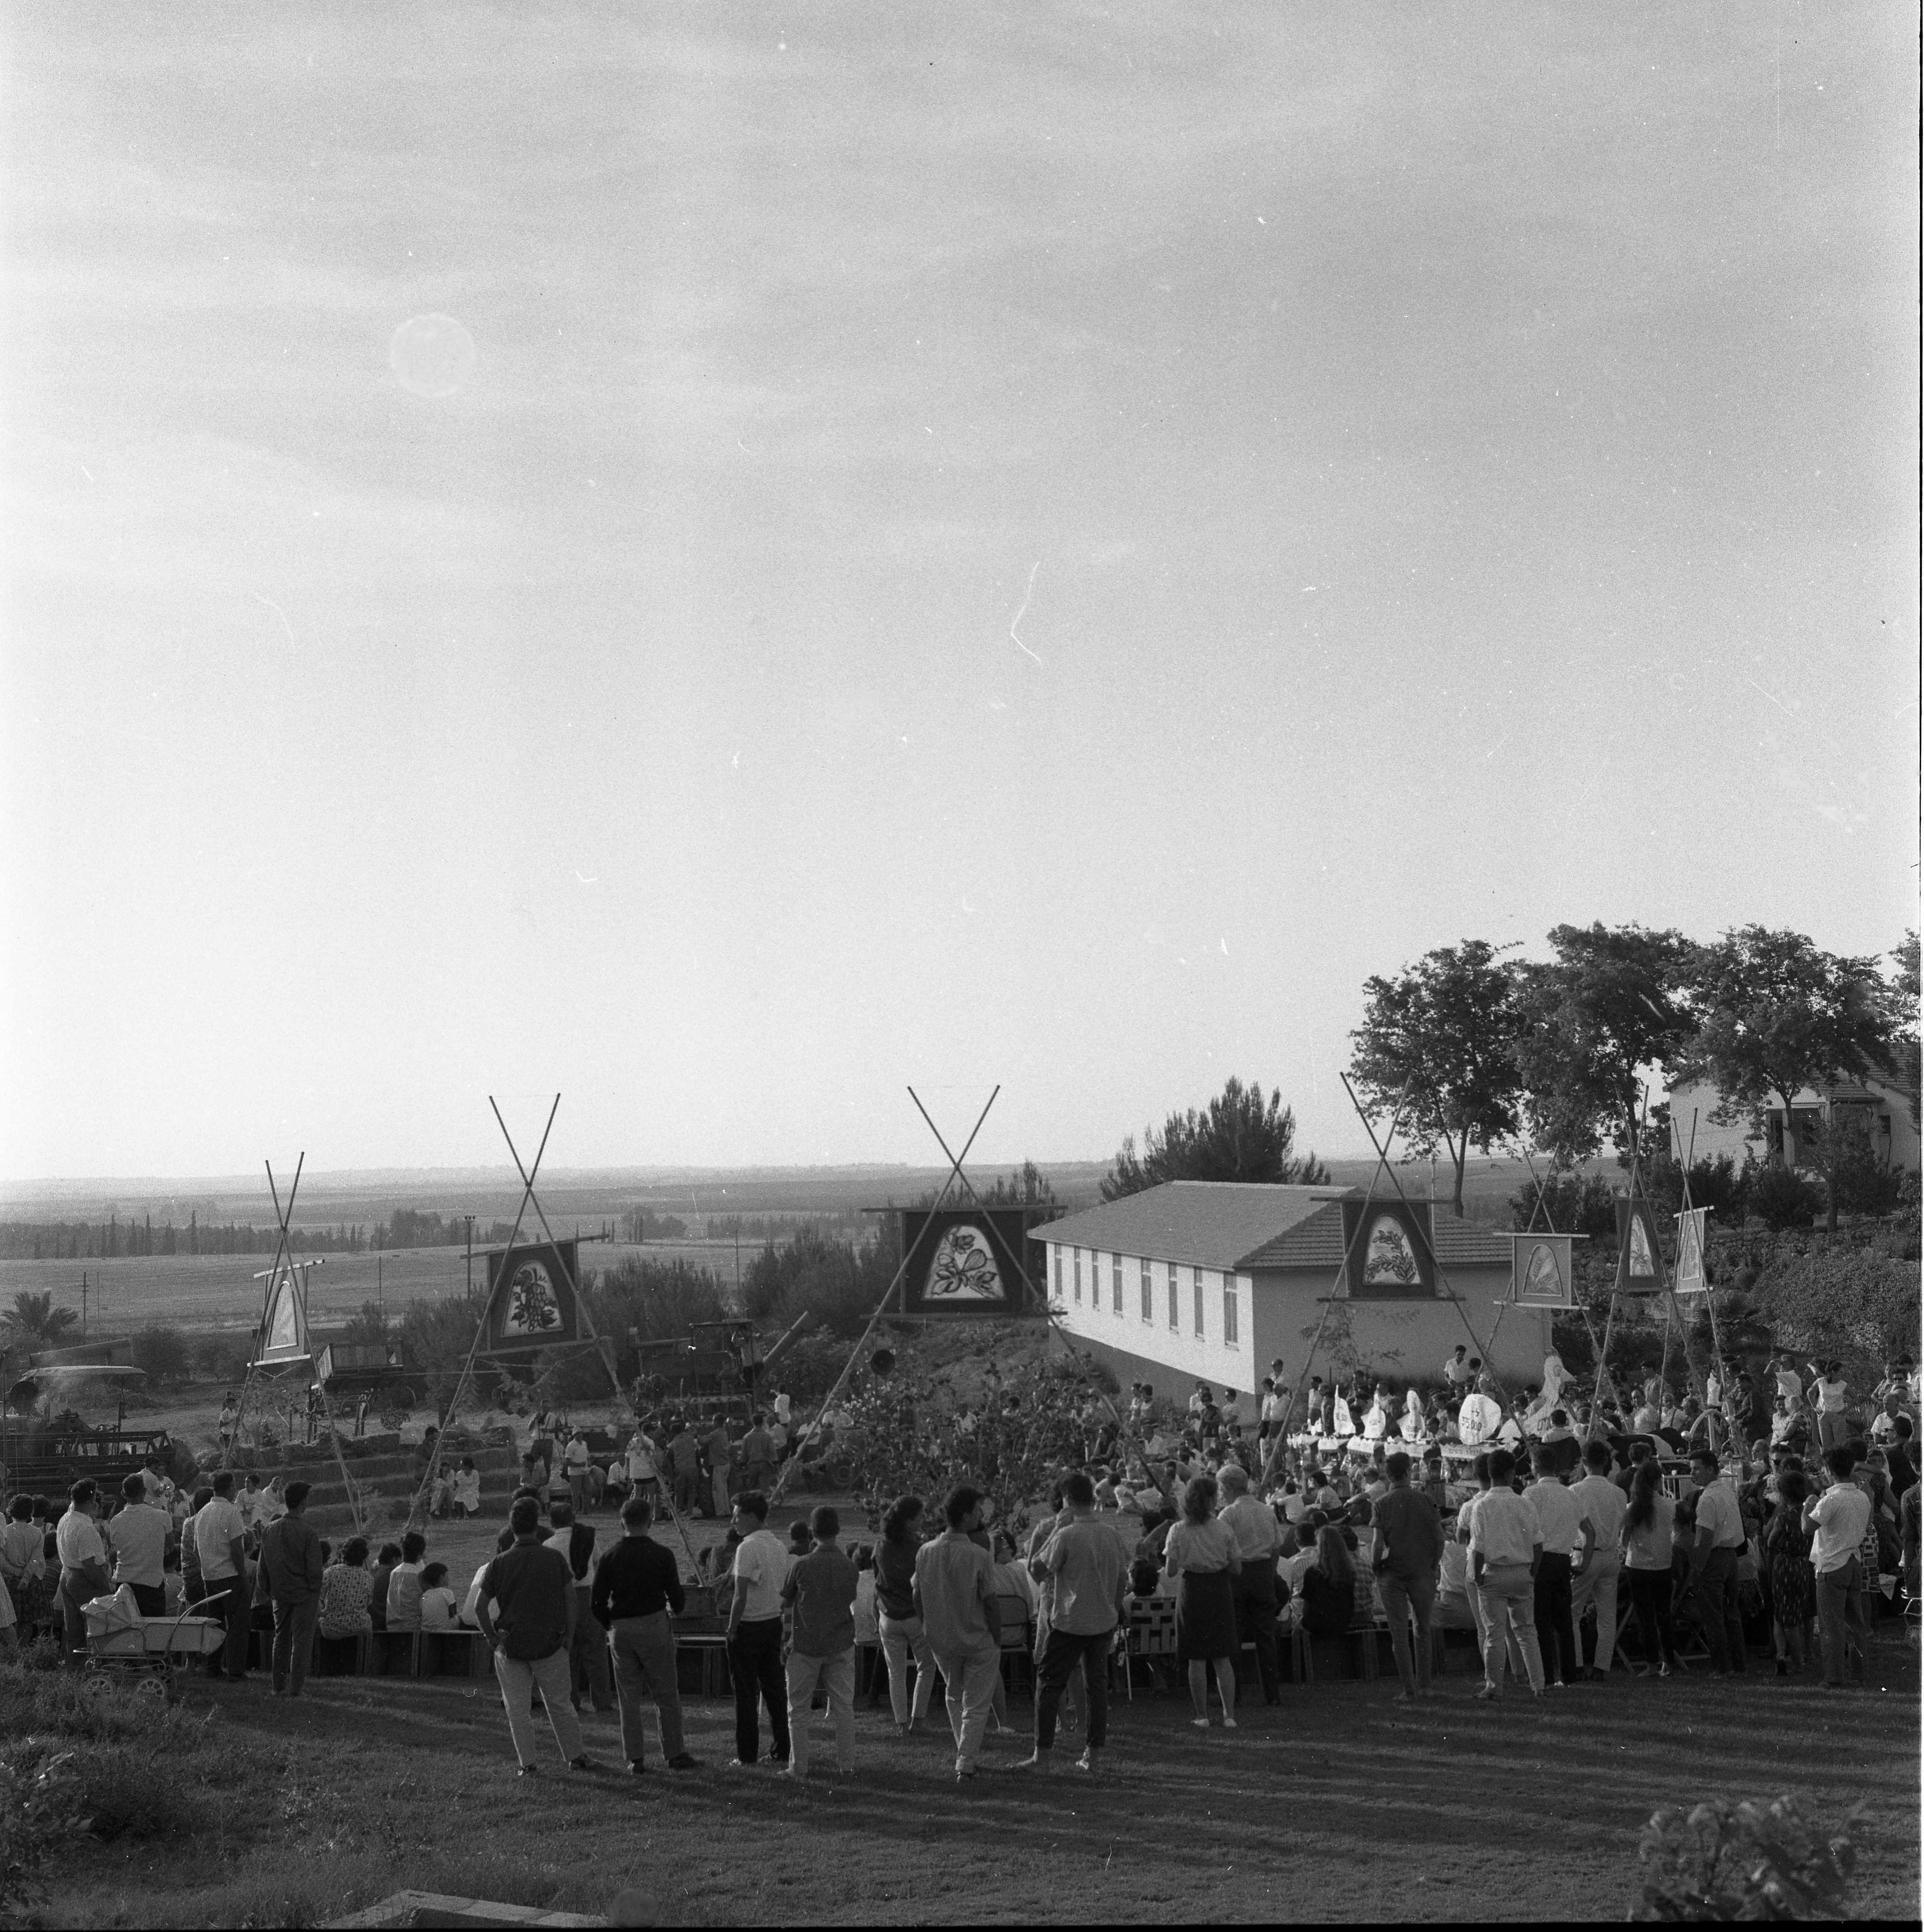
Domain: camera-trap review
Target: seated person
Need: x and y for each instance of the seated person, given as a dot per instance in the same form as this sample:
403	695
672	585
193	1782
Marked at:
377	1598
347	1594
440	1608
467	1489
403	1592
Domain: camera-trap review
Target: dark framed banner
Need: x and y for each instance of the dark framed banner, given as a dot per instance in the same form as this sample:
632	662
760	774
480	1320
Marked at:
531	1298
1640	1268
1690	1278
1392	1256
966	1261
1540	1276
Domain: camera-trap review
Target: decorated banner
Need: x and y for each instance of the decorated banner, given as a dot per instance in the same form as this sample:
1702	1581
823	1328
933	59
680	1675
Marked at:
531	1298
1690	1278
283	1334
1540	1275
1393	1256
1639	1262
966	1261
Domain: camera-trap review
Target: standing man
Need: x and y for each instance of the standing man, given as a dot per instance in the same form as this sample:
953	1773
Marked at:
83	1566
1713	1564
758	1454
1275	1410
637	1584
643	1470
1828	1386
220	1540
138	1537
1456	1371
289	1577
1089	1565
1258	1537
1840	1516
1593	1582
224	1424
1409	1547
754	1633
716	1446
954	1595
525	1609
1565	1536
575	1457
820	1590
684	1467
1506	1547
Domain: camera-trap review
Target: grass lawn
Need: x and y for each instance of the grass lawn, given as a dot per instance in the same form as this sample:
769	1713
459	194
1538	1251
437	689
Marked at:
1344	1803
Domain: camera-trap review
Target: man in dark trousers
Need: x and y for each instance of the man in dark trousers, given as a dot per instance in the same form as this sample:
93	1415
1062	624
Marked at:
1258	1536
1408	1546
526	1611
637	1584
1089	1563
289	1576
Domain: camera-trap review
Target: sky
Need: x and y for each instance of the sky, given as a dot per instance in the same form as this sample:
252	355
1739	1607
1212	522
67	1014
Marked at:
725	563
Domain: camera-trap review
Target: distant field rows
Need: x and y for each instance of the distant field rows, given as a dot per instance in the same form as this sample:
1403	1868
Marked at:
219	1291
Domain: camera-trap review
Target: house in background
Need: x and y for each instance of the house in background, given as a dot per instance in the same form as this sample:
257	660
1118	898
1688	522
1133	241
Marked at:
1883	1107
1209	1281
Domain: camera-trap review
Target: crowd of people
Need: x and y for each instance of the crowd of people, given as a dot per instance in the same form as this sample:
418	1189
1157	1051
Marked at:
1544	1528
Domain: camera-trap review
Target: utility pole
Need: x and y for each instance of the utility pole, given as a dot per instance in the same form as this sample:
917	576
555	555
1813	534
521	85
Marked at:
470	1257
381	1289
83	1304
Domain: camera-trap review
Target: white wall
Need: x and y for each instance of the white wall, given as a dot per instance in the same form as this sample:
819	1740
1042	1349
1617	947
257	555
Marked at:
1208	1357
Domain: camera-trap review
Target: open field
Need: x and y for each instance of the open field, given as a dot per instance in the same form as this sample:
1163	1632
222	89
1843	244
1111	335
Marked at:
209	1291
1343	1804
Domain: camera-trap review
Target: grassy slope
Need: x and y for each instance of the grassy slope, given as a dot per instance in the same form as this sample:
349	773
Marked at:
1342	1804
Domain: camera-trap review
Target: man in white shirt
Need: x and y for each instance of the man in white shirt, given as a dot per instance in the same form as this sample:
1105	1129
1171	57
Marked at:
1565	1540
1258	1537
1456	1371
83	1570
575	1458
1713	1564
219	1536
754	1632
1593	1583
1505	1547
1840	1516
1275	1409
137	1534
1477	1419
1828	1387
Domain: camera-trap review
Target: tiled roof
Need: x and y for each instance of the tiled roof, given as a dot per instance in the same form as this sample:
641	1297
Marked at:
1226	1224
1215	1224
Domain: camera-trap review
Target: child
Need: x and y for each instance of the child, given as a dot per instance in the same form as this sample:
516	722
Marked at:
799	1541
440	1608
404	1584
384	1569
820	1592
467	1489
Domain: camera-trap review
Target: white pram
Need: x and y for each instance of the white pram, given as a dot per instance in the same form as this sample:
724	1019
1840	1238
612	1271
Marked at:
118	1637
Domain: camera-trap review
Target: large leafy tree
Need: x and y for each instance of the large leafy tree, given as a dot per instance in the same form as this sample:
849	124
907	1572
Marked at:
33	1319
1610	1003
1238	1136
1442	1036
1905	994
1776	1013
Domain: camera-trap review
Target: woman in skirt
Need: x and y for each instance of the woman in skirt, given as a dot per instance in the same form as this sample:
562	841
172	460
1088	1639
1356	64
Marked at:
1199	1558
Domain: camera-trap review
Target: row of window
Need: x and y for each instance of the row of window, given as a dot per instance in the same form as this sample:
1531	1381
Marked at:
1146	1289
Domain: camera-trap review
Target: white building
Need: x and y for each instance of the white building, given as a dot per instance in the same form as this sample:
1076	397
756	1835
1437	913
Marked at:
1881	1105
1209	1281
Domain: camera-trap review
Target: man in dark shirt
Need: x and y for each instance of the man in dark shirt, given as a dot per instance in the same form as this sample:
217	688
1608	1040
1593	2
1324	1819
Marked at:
526	1611
289	1577
1408	1545
636	1586
685	1466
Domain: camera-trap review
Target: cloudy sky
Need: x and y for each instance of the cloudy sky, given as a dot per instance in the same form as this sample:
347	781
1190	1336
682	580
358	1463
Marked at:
1039	544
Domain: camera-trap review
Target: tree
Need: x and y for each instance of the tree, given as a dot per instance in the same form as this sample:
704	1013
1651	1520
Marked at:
1905	994
1442	1036
1590	1020
162	1352
1777	1014
33	1319
1239	1137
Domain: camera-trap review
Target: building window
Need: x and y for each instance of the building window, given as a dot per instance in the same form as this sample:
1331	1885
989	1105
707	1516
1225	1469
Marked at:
1078	1274
1230	1328
1096	1280
1175	1312
1195	1295
1055	1256
1148	1291
1115	1283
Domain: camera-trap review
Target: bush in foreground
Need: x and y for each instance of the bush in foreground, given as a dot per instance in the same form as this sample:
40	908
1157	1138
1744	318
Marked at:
1723	1860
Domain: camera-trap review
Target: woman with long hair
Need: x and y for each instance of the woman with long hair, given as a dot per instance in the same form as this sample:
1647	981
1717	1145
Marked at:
1648	1527
1329	1585
902	1634
1200	1557
1786	1556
